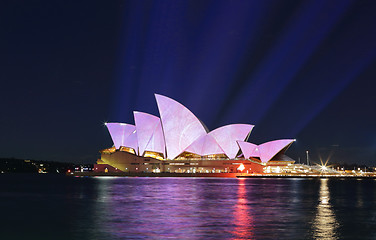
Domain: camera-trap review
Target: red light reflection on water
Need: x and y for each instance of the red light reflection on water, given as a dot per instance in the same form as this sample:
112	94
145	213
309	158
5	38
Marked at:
243	220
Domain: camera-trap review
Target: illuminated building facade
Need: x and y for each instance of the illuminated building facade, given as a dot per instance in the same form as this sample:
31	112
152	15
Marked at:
178	142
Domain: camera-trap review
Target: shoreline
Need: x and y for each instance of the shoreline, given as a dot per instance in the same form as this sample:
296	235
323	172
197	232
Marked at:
218	175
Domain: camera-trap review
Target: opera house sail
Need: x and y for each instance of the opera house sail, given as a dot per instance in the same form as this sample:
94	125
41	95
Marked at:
178	142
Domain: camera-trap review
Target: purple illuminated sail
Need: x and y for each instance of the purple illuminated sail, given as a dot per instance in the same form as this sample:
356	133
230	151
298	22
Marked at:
249	149
146	124
227	136
269	149
180	126
205	145
120	132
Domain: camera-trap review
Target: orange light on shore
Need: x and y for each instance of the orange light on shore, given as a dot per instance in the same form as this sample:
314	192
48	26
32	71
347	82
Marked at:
241	167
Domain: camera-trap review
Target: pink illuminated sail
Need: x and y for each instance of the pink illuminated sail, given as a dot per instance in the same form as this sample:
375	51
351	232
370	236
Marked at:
248	149
205	145
178	130
120	132
157	142
180	126
227	136
131	141
146	124
269	149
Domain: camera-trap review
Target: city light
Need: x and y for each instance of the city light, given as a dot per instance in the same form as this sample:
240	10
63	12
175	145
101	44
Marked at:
241	167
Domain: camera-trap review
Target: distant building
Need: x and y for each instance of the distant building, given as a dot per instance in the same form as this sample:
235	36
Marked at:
178	142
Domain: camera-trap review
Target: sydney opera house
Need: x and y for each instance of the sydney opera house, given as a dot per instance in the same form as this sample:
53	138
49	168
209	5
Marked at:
178	142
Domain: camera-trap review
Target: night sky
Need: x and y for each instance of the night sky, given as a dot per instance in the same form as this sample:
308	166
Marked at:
294	69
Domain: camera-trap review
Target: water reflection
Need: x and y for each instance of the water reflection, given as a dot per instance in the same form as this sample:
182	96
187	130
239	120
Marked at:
163	208
181	208
57	207
325	224
243	220
359	195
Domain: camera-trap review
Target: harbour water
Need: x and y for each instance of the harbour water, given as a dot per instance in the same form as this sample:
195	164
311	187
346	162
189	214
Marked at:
59	207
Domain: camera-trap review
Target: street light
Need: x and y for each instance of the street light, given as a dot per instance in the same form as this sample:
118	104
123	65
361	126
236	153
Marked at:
307	157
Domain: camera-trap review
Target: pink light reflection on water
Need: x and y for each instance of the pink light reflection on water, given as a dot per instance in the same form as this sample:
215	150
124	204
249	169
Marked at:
243	219
162	209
